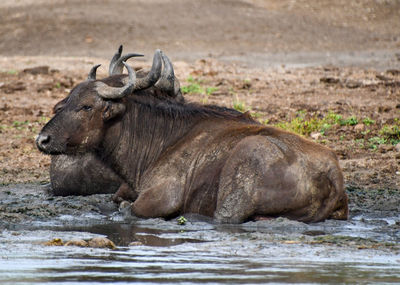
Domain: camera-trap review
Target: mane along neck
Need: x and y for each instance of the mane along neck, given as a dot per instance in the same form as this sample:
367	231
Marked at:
148	127
140	137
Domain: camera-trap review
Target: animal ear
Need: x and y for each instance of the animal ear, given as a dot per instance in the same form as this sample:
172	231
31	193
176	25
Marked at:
57	107
113	110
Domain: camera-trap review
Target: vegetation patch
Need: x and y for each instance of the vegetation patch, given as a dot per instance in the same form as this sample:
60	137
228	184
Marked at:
391	133
195	86
305	124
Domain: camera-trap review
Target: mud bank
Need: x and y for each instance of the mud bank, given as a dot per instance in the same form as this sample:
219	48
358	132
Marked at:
23	205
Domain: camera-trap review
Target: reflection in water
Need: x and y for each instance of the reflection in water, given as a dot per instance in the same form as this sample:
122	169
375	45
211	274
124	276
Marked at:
199	254
124	234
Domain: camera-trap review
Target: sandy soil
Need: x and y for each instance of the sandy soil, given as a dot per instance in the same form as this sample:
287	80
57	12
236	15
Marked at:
251	32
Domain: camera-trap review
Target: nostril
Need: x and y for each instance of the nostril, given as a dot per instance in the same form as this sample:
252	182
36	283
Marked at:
43	140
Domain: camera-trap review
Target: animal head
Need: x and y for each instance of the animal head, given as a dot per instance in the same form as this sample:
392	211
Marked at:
81	119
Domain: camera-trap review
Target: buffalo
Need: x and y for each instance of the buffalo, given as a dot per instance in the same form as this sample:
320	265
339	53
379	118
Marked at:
85	174
180	158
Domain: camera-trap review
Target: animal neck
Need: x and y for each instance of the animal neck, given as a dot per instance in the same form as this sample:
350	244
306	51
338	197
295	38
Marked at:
144	133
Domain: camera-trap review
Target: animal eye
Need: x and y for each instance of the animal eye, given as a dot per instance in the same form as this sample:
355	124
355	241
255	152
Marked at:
86	108
56	110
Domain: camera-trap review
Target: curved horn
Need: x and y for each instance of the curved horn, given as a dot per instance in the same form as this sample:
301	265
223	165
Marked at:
92	73
108	92
116	67
153	75
167	80
114	59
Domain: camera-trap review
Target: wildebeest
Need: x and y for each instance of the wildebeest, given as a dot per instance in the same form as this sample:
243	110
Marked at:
85	174
187	158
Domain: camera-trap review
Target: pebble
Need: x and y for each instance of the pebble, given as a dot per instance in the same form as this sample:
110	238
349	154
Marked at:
97	242
359	127
135	243
77	242
101	242
124	205
54	242
316	135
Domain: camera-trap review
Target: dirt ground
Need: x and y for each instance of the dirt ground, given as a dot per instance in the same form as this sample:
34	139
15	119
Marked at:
327	70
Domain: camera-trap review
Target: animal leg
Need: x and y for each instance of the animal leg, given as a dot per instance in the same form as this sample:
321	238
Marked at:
237	184
242	180
124	193
162	200
235	209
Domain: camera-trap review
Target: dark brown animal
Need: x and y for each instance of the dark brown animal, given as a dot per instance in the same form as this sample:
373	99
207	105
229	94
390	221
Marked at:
186	158
85	174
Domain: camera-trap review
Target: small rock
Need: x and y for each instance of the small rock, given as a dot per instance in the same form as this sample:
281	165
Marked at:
13	87
246	85
385	148
359	127
44	87
393	71
76	242
54	242
89	39
382	77
384	109
37	70
124	205
330	67
329	80
290	242
135	243
353	84
125	208
316	135
101	242
397	147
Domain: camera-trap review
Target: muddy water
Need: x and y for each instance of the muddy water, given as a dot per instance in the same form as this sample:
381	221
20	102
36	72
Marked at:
364	249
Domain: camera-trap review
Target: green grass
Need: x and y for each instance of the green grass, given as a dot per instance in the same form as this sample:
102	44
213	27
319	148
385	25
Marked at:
181	220
375	141
195	87
391	132
12	72
19	125
351	121
367	121
305	126
239	105
211	90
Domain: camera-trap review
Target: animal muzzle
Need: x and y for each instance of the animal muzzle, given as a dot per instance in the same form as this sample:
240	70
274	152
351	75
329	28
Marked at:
43	142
